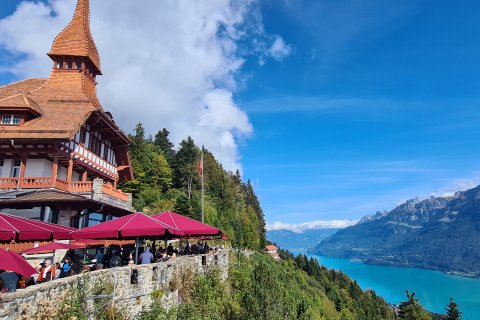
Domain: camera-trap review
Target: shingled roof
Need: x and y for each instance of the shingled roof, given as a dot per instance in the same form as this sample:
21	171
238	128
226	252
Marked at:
20	102
76	39
68	98
21	87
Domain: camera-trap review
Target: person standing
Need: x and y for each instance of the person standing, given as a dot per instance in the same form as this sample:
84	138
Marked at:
170	249
146	257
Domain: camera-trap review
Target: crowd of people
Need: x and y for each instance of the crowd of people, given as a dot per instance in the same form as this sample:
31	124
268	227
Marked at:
113	256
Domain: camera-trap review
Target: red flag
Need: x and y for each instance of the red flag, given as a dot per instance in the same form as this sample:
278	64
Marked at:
200	166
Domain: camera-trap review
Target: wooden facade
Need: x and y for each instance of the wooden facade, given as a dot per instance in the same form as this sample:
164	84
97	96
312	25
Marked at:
55	134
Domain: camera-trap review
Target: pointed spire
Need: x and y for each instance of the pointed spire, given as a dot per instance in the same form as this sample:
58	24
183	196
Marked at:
76	39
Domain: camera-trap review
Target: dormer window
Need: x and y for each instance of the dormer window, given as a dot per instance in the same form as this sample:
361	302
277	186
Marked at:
60	65
69	65
11	119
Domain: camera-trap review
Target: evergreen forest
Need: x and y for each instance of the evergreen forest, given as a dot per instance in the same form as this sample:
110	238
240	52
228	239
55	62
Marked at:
168	180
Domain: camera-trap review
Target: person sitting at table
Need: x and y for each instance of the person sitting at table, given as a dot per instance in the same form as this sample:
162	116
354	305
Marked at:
47	273
99	256
66	268
58	271
35	275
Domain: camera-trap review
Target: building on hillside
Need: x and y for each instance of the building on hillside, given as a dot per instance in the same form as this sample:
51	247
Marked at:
273	251
61	153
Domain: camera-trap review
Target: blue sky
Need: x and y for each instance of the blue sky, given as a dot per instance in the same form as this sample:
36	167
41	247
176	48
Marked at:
378	103
375	102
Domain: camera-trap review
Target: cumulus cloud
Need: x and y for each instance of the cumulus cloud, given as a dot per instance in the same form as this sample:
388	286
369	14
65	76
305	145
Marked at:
318	224
173	64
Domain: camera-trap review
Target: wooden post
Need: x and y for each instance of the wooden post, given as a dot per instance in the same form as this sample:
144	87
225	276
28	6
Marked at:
23	165
84	176
69	172
54	169
114	184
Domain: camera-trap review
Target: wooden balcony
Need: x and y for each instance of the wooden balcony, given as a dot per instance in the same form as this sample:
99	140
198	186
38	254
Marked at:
48	182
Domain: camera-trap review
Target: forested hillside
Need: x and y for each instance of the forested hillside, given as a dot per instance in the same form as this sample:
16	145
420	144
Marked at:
261	288
168	180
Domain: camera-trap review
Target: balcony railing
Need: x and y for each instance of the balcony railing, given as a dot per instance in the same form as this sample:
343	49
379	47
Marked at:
8	183
36	183
111	191
87	157
48	182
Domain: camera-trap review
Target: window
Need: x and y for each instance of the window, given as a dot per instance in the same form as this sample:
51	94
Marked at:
6	119
60	65
93	219
79	65
16	168
11	119
69	65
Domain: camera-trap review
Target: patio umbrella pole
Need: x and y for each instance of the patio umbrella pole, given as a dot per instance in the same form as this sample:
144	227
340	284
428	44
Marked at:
136	250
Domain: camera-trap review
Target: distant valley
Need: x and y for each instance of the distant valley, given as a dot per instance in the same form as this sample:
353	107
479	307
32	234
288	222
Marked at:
436	233
307	239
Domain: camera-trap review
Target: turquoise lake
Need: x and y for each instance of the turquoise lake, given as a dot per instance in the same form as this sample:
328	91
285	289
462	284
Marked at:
433	288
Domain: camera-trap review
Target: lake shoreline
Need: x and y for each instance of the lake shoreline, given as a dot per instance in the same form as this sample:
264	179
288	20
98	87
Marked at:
390	263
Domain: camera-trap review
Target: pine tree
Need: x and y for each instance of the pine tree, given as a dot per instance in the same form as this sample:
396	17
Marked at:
164	143
185	164
412	310
453	313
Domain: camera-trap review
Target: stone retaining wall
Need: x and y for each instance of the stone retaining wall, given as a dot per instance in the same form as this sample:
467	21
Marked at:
155	282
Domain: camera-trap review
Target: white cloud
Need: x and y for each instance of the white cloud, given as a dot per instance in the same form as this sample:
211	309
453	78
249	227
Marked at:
318	224
279	49
459	184
173	64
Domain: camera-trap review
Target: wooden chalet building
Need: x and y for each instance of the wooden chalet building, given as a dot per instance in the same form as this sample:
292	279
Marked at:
61	153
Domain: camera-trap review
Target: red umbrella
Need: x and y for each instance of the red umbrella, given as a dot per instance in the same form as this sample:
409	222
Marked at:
24	229
186	227
134	225
130	226
52	247
12	261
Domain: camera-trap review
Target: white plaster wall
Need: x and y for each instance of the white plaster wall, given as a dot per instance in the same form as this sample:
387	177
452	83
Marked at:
38	168
6	170
62	174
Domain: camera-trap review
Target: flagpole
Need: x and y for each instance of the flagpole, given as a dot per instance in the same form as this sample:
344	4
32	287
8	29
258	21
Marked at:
203	193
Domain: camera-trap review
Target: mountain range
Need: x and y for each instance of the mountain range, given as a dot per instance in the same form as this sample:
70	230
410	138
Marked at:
439	233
